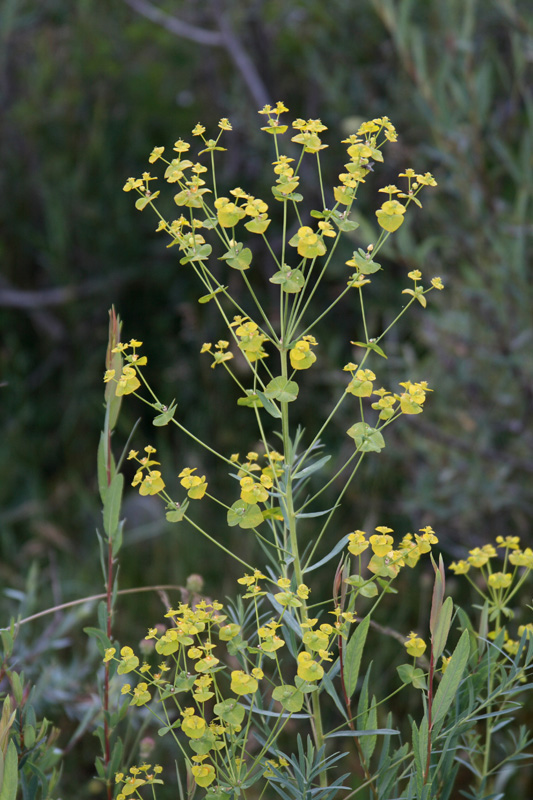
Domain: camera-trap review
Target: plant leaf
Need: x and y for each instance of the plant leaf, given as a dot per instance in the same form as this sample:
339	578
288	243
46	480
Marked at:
367	439
282	389
244	515
445	694
354	652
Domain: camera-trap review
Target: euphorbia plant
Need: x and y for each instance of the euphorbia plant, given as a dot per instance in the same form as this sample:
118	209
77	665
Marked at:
232	683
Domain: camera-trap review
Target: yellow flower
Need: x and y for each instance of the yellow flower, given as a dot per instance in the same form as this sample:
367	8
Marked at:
309	243
301	355
522	558
478	558
204	774
152	483
309	670
381	545
128	381
357	542
155	154
414	645
500	580
181	147
509	543
427	179
242	683
460	567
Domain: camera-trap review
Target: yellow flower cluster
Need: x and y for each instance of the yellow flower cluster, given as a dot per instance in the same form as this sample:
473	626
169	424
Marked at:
251	338
410	401
301	356
220	353
387	561
479	557
128	381
145	775
149	480
196	486
502	584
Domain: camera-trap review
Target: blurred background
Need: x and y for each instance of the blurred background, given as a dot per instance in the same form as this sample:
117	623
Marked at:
86	91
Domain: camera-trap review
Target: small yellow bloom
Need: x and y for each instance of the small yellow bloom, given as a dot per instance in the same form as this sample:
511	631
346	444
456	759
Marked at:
242	683
128	382
500	580
309	670
414	645
155	154
521	558
381	545
357	542
509	542
460	567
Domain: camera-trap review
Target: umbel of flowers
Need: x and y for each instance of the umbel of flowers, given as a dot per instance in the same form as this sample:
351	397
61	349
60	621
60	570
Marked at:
225	682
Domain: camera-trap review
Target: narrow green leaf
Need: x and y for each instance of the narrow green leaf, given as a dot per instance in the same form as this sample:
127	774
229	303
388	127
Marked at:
438	592
313	514
376	732
445	694
371	346
101	466
354	652
10	777
270	407
205	298
313	467
368	744
420	737
112	504
341	544
116	539
442	628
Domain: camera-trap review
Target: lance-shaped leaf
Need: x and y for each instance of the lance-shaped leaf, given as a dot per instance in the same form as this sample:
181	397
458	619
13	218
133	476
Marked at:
354	653
445	694
205	298
112	504
371	346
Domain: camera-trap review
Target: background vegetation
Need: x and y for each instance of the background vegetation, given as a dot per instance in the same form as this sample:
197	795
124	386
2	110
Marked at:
86	90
